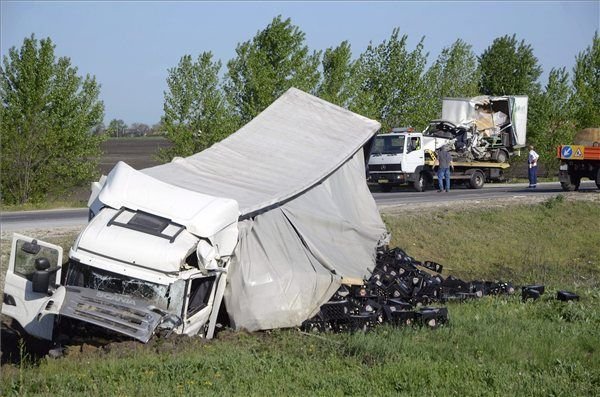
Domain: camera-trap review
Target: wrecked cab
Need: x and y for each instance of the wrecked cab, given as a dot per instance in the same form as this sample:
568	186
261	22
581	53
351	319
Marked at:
128	271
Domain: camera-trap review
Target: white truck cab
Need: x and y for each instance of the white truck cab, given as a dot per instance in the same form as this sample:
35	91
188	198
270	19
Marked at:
400	157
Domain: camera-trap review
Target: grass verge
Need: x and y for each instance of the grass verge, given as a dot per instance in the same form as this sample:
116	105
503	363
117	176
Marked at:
492	346
47	205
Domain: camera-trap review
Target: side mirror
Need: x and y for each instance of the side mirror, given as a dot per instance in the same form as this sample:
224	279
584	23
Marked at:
31	248
41	276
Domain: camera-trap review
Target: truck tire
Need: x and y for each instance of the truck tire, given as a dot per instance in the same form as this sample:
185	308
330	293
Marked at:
477	180
598	178
501	156
572	184
420	183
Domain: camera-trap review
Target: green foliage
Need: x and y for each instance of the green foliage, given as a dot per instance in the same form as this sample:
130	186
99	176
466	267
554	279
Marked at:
390	83
269	64
196	112
338	81
586	82
554	202
48	113
455	73
551	118
509	68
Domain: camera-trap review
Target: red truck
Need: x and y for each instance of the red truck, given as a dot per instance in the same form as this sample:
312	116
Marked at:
581	160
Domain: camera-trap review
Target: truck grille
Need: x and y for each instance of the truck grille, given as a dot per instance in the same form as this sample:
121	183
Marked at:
95	308
385	167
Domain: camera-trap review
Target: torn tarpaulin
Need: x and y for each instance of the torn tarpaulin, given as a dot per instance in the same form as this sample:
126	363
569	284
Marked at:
398	293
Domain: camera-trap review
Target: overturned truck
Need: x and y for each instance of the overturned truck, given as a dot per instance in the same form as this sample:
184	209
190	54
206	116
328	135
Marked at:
270	222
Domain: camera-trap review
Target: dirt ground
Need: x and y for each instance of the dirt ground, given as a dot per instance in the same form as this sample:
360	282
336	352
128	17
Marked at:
139	153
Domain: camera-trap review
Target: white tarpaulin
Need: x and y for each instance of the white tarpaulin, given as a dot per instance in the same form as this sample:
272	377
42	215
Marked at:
307	217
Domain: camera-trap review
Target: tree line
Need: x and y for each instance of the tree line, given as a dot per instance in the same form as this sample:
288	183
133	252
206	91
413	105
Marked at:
117	128
51	117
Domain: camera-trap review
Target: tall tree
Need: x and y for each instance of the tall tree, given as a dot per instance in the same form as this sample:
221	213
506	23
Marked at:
509	68
266	66
47	114
551	118
337	85
586	81
196	111
391	87
455	73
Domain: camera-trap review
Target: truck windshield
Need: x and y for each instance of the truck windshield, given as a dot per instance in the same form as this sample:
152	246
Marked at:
391	144
79	275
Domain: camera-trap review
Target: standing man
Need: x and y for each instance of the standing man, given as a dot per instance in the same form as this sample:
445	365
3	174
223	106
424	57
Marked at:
532	160
444	165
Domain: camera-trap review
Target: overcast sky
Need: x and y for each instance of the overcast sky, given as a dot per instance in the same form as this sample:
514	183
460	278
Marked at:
129	46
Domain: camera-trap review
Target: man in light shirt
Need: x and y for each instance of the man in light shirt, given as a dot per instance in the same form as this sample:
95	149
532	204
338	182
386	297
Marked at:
532	160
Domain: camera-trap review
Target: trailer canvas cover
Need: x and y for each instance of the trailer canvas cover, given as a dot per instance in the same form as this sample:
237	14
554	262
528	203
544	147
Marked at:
307	218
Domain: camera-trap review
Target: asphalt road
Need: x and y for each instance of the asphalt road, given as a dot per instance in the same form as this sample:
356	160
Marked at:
26	220
407	195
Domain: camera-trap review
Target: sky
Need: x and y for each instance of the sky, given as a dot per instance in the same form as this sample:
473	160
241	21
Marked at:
130	45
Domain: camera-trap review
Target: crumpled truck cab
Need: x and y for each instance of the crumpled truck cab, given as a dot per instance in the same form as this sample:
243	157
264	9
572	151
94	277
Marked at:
153	256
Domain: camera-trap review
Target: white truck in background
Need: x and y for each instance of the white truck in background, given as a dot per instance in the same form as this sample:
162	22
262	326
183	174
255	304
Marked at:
481	133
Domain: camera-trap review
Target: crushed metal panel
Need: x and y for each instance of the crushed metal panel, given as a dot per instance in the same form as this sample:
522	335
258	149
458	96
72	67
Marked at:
119	313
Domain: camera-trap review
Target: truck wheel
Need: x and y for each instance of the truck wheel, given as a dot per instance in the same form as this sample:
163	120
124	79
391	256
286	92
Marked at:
598	179
567	187
385	188
572	184
420	183
477	180
501	156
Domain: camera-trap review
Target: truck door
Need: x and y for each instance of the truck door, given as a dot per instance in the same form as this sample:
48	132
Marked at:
414	155
200	293
31	261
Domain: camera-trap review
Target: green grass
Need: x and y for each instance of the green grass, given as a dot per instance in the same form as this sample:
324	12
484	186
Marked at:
555	242
492	346
46	205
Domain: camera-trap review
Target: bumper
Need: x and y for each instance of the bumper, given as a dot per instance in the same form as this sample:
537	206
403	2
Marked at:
396	178
121	314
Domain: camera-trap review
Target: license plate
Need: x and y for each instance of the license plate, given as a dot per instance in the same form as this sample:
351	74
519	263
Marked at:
382	181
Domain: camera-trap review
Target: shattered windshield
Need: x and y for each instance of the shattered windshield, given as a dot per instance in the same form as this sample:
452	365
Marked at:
391	144
162	296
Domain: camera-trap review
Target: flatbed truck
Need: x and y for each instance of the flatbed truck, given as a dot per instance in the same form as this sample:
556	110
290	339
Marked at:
408	158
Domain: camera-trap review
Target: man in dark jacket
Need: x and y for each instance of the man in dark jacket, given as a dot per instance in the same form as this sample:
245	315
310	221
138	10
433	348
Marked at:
444	166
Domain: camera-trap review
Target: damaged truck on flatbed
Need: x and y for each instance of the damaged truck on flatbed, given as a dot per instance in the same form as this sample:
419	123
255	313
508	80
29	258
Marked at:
481	133
266	235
